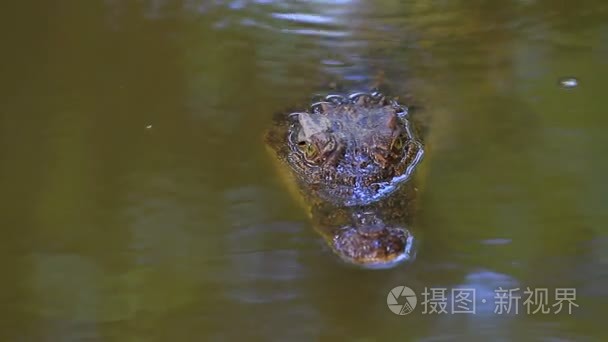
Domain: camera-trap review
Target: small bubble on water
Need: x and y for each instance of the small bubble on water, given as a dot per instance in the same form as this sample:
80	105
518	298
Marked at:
568	82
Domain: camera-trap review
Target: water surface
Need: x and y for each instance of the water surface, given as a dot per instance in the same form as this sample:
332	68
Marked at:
139	203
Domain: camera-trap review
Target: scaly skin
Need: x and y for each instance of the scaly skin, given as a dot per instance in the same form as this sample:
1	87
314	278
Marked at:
351	158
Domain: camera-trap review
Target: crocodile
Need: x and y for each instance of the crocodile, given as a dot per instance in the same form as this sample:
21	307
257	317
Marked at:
352	158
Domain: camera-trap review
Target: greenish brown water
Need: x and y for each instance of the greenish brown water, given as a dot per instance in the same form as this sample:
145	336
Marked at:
139	204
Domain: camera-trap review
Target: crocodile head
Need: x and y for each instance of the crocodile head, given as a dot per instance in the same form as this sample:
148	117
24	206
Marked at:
349	154
353	150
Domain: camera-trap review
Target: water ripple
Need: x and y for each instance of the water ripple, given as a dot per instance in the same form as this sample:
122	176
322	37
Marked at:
304	18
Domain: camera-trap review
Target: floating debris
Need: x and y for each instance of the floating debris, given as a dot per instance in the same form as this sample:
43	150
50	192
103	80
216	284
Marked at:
568	82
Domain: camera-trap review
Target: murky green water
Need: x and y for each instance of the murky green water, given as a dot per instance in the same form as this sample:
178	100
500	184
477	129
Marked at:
140	205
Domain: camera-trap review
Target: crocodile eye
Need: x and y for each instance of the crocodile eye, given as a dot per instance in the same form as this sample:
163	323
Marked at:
309	150
399	142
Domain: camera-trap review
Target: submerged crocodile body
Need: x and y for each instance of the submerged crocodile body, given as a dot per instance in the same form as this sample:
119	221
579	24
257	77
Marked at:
352	158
